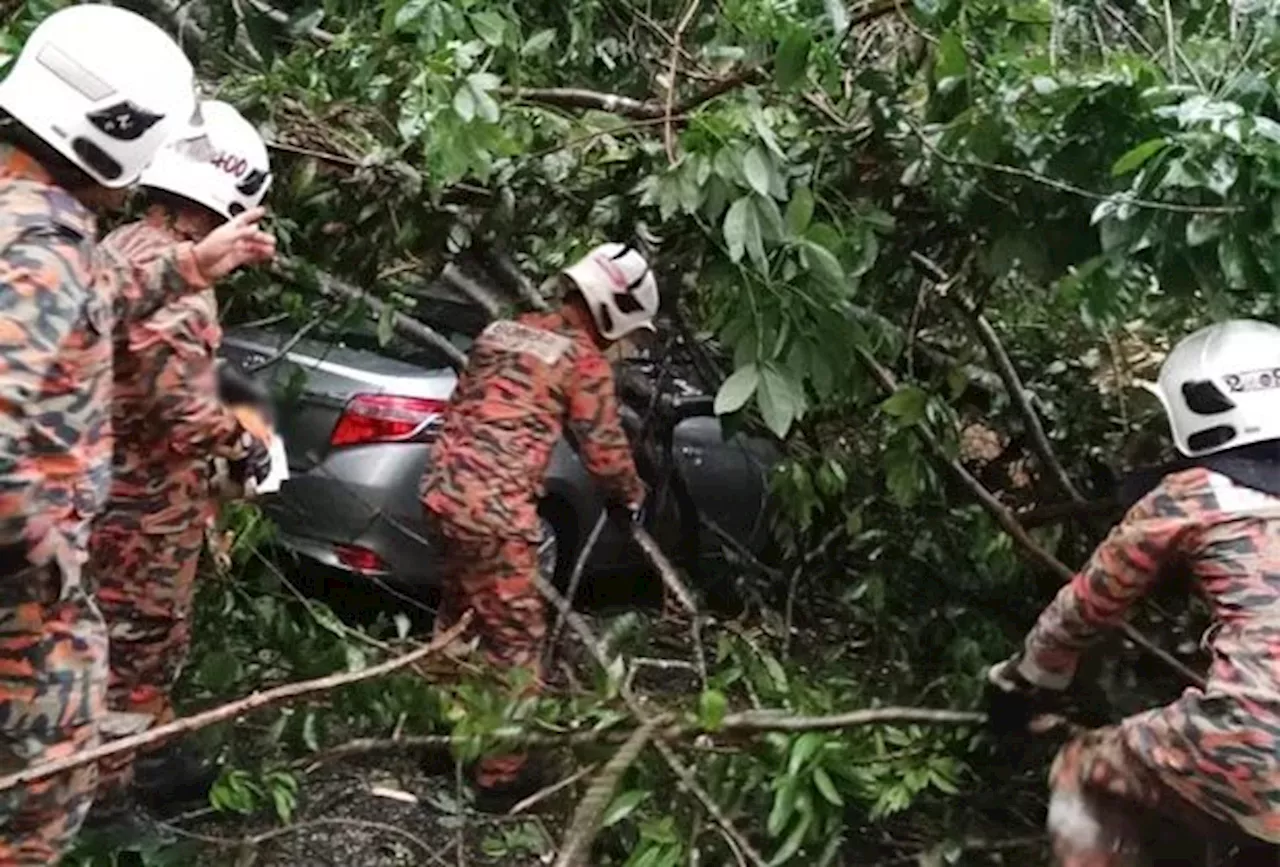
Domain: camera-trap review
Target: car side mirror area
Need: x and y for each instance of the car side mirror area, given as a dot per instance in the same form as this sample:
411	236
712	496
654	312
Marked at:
692	406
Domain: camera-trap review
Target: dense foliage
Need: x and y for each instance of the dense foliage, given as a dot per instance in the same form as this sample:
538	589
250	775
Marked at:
944	191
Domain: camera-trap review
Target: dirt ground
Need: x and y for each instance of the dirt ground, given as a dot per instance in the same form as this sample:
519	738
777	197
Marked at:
388	813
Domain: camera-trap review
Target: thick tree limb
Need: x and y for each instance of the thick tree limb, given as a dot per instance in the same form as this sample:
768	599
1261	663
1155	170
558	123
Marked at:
1006	519
473	289
576	848
232	710
324	37
406	326
501	263
1009	375
746	723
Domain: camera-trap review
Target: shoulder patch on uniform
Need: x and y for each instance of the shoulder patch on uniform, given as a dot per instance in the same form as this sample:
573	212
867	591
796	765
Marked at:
547	346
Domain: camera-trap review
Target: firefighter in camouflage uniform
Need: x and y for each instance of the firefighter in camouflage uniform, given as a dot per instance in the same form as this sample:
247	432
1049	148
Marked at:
1211	760
82	117
168	423
525	380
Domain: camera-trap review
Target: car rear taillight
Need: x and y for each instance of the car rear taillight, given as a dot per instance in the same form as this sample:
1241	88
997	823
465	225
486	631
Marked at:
385	418
360	560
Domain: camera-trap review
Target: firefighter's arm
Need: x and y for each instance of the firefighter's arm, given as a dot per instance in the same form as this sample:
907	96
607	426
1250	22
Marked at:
143	282
597	430
183	388
1154	533
42	305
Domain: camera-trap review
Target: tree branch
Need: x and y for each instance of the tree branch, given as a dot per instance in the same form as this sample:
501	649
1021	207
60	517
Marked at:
232	710
1008	374
576	848
406	326
1006	519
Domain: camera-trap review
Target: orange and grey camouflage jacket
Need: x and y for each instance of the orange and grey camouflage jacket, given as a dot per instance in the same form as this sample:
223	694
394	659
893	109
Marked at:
167	417
61	296
524	380
1220	747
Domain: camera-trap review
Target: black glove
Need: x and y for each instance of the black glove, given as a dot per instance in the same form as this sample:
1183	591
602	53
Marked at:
1012	701
254	466
624	515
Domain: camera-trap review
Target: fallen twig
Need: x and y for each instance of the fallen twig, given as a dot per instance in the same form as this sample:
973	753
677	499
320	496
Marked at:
231	710
542	794
1010	523
576	847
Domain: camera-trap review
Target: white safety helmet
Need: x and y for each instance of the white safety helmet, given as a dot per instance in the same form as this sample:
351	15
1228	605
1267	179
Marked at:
1221	387
227	171
105	88
619	288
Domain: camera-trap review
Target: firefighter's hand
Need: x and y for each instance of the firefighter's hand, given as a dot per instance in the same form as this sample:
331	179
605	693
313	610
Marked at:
1012	701
255	466
625	515
236	242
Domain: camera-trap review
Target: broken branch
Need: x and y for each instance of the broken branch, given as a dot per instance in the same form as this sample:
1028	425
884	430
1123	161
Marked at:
1010	523
1009	375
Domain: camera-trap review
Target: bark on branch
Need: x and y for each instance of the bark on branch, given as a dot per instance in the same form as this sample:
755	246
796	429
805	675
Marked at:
232	710
1009	522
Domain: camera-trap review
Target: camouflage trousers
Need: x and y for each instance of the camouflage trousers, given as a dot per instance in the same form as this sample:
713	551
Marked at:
1109	809
146	588
53	676
494	579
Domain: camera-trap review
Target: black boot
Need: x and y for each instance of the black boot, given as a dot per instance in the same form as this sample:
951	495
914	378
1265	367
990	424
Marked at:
501	798
176	775
122	821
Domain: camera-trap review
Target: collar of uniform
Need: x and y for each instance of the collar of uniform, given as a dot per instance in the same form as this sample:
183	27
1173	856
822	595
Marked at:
17	165
580	320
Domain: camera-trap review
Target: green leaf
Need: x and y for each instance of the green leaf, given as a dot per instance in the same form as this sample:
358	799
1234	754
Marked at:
952	62
822	263
826	787
386	330
538	42
793	842
907	404
261	30
792	58
779	406
737	390
1134	158
464	103
1232	259
735	227
489	26
302	23
784	804
805	746
799	211
623	805
755	166
309	732
409	13
1203	228
712	705
769	217
486	108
